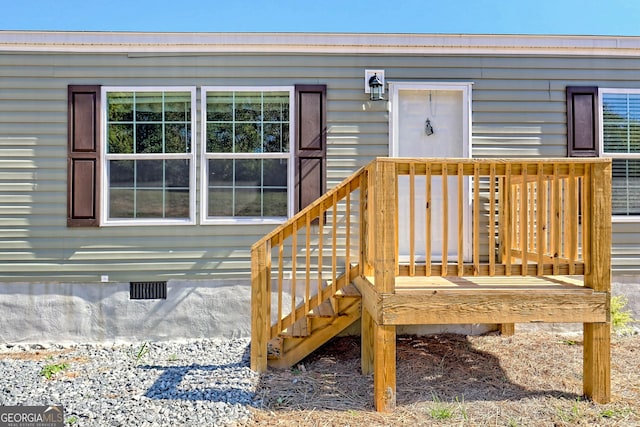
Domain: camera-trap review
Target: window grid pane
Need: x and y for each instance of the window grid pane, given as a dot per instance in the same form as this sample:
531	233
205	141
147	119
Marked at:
625	187
148	122
148	189
247	122
247	187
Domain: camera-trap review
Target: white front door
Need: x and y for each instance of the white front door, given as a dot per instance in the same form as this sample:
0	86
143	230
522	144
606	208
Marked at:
431	120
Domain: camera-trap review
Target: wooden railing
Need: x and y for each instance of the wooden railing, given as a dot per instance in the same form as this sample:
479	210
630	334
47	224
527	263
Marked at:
432	217
497	217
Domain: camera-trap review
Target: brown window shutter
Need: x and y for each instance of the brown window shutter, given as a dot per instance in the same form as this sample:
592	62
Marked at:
582	121
83	163
310	143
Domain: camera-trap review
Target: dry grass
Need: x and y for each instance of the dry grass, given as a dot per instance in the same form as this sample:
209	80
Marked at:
530	379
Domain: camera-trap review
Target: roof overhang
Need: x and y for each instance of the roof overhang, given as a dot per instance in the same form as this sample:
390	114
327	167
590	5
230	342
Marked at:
317	43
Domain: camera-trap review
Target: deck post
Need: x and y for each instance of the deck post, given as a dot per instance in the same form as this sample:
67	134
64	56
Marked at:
384	362
384	235
504	233
384	337
260	302
367	340
507	329
597	336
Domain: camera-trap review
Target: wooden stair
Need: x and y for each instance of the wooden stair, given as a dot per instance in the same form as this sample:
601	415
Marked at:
310	332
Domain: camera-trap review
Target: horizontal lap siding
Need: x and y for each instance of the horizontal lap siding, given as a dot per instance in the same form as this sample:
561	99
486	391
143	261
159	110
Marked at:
35	243
518	111
527	118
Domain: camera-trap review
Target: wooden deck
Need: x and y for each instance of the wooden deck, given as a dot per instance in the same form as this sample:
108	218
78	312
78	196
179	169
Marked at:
539	252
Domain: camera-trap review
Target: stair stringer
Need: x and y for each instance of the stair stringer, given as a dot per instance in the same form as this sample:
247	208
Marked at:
294	349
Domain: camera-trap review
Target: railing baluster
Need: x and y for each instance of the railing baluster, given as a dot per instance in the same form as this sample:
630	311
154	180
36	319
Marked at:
363	225
427	225
347	257
445	219
546	211
476	219
508	215
395	220
294	255
280	276
564	223
320	252
492	212
586	220
307	276
515	218
541	211
531	188
580	210
573	219
334	257
268	266
555	220
412	219
524	245
460	219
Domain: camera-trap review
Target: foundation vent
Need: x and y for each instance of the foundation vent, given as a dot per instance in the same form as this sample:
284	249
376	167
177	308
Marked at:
147	290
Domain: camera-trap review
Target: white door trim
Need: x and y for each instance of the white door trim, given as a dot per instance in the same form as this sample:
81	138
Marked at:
396	87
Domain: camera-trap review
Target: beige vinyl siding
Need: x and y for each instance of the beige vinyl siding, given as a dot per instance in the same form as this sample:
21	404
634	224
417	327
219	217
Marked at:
518	111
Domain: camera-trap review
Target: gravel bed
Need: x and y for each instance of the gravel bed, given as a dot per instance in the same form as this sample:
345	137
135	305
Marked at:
205	383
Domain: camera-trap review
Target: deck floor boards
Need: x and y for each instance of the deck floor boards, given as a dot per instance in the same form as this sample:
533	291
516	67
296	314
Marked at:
497	284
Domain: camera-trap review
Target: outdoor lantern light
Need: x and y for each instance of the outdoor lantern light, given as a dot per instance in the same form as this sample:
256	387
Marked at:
374	84
375	88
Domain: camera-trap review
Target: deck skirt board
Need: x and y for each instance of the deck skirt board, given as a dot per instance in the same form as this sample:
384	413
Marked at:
461	300
491	307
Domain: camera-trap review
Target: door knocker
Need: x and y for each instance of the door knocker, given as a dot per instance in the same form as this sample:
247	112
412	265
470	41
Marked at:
428	128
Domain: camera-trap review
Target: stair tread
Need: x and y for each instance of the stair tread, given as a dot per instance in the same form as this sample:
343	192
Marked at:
349	291
323	310
299	329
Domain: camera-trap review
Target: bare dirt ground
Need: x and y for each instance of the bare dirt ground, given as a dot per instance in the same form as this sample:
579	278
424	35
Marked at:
529	379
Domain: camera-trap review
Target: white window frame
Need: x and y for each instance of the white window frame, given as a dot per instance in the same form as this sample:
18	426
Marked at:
601	93
106	157
204	157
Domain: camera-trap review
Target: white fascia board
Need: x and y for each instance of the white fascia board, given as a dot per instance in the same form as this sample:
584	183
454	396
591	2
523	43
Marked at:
320	43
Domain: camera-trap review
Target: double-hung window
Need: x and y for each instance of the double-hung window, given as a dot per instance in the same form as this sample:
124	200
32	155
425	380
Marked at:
620	121
247	154
149	157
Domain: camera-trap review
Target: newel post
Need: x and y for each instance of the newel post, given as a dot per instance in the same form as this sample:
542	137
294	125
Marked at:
597	336
384	241
367	224
260	306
